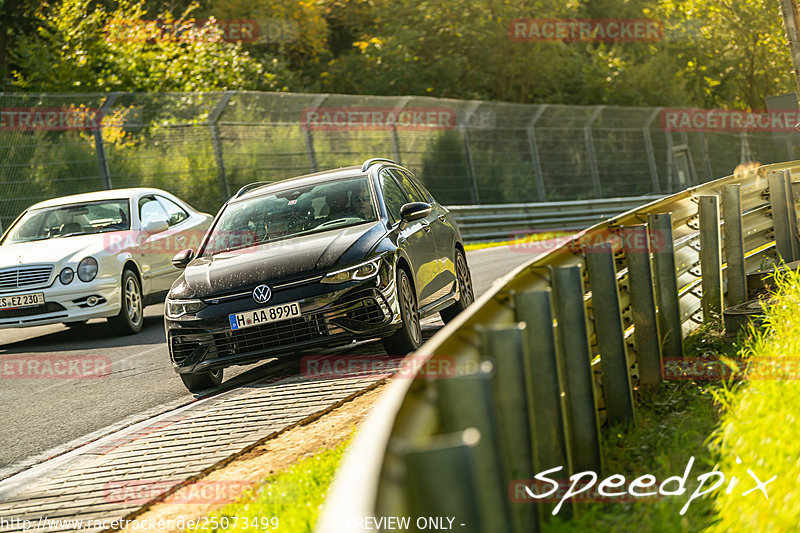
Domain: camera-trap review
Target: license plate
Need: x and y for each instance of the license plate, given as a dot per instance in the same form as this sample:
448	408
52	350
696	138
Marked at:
265	315
21	300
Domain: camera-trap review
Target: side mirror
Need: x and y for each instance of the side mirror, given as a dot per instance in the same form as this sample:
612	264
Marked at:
156	226
414	211
182	258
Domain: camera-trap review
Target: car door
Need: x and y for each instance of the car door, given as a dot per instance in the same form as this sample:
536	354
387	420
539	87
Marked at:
156	260
415	239
442	231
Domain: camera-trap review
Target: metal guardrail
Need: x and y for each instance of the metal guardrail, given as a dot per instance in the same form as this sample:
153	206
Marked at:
452	447
480	223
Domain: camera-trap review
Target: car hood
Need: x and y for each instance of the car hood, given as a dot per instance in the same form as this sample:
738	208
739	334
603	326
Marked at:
51	251
279	261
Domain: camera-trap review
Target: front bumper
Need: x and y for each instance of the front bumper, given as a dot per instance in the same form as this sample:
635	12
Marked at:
331	315
65	303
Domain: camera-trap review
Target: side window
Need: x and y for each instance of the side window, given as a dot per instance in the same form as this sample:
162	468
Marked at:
150	209
175	212
393	196
412	189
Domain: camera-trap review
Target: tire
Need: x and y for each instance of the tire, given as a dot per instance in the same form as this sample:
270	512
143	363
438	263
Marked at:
200	381
76	324
409	337
466	294
131	314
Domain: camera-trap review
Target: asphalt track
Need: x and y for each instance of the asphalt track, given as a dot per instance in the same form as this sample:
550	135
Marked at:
44	417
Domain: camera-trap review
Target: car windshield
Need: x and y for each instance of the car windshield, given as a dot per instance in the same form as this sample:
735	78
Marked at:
70	220
292	212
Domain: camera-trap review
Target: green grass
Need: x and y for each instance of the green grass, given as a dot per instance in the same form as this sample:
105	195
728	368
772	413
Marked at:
533	237
294	497
760	425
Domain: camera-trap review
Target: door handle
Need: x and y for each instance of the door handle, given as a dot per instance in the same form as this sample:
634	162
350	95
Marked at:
426	227
442	218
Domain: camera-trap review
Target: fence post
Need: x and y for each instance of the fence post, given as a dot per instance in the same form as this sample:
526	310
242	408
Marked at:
434	470
710	257
466	401
651	156
216	143
583	427
308	138
476	199
99	144
534	147
643	301
734	244
609	330
701	139
587	133
395	139
506	344
544	383
667	302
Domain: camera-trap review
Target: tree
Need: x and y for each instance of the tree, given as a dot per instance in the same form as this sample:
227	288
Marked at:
80	48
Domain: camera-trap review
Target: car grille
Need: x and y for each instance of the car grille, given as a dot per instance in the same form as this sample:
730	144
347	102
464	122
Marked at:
49	307
25	276
284	333
189	344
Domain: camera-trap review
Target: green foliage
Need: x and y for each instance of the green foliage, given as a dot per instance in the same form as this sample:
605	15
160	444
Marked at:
729	53
294	496
78	47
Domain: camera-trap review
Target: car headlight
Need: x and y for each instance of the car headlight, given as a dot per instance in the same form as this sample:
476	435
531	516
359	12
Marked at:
179	308
66	276
87	269
357	272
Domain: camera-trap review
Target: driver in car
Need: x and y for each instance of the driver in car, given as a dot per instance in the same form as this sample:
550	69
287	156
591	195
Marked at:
349	202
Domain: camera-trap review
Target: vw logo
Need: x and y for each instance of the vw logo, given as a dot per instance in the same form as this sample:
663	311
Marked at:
262	294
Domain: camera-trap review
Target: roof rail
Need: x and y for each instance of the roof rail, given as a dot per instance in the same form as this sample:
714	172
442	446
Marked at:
370	162
250	186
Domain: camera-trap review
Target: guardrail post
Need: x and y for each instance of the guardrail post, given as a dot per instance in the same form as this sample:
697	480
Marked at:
466	401
440	479
506	344
617	390
544	384
710	257
790	206
669	311
734	244
780	206
583	431
638	242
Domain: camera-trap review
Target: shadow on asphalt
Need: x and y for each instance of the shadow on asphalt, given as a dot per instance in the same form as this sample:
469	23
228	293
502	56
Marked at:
95	334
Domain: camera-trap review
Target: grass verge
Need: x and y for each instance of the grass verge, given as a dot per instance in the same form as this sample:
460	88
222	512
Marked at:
293	497
759	430
544	239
